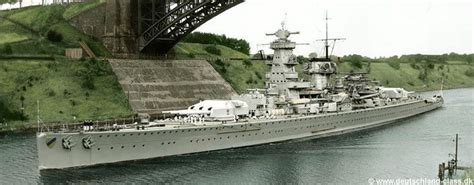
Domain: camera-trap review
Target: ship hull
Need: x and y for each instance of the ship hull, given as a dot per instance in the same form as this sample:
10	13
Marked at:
126	145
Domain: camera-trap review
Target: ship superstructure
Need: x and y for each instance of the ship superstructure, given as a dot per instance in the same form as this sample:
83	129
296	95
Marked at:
287	109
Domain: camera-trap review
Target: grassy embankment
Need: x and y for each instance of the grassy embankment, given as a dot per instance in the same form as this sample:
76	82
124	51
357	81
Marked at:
32	67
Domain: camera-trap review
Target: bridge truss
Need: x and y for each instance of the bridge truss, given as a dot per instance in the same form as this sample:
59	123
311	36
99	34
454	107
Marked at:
163	23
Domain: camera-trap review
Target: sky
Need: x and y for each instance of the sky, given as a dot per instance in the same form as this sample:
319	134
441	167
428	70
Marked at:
372	28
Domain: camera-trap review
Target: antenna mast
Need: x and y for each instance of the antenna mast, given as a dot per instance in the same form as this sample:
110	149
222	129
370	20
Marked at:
326	40
326	43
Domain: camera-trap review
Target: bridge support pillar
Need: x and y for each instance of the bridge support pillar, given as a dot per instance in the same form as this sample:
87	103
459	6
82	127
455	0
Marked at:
120	28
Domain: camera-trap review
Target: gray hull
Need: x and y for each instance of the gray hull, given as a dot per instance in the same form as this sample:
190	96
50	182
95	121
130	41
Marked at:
125	145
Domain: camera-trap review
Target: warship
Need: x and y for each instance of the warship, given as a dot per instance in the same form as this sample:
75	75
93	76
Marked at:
288	108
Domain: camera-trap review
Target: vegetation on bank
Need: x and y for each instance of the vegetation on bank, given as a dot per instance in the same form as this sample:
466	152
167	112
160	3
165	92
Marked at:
241	74
412	72
239	45
185	50
67	91
43	30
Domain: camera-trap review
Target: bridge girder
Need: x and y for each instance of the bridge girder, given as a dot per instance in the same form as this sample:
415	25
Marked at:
166	25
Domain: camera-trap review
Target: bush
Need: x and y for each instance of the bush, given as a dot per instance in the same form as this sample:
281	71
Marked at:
394	64
219	62
191	55
73	103
259	76
54	36
51	93
302	60
88	82
247	63
8	49
7	114
213	50
469	72
209	38
356	63
250	81
414	66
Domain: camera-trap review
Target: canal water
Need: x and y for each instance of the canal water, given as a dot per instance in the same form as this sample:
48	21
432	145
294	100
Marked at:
410	148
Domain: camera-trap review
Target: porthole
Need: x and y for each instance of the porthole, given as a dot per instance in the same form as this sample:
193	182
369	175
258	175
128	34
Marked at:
143	145
100	135
98	148
139	133
131	134
123	134
144	134
116	135
123	146
162	143
108	135
133	146
174	142
112	148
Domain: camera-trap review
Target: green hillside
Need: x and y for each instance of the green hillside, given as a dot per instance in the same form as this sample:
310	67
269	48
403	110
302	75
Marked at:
25	31
252	75
64	88
452	75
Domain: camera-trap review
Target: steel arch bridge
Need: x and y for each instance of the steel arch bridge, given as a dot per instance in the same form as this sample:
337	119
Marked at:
163	23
